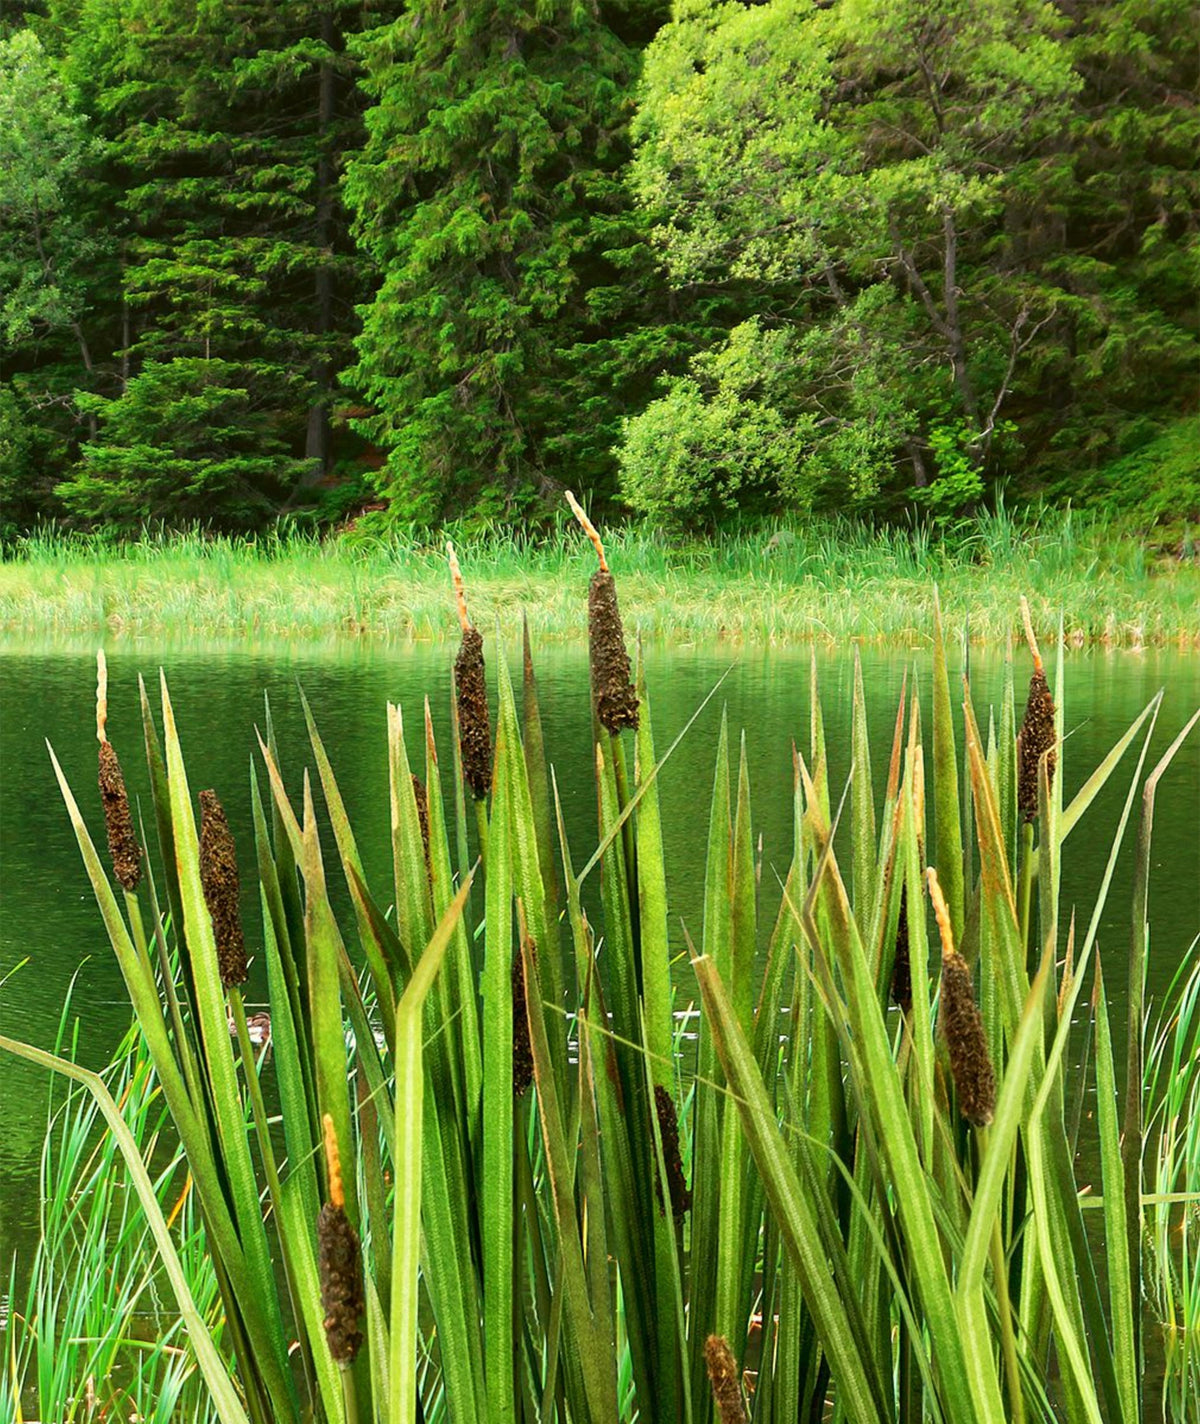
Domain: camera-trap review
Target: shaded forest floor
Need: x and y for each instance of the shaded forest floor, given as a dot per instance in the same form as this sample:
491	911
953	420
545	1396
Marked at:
824	582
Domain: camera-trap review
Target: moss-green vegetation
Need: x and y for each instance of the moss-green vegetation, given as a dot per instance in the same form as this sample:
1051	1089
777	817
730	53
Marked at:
823	582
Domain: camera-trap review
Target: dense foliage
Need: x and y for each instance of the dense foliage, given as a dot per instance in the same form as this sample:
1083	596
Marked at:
258	259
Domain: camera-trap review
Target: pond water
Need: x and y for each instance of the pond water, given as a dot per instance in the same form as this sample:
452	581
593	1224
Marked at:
48	916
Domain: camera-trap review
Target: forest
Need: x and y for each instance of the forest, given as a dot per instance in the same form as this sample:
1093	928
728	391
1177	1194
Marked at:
424	262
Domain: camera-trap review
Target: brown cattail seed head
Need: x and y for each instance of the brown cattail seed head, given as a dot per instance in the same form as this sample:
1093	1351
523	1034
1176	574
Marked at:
1035	738
612	685
422	800
970	1062
339	1261
668	1130
901	965
339	1265
122	843
222	889
474	730
522	1047
723	1376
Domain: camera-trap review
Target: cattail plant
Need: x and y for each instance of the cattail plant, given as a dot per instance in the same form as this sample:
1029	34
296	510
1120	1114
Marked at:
612	681
474	728
339	1262
497	1252
962	1025
222	889
1036	737
123	845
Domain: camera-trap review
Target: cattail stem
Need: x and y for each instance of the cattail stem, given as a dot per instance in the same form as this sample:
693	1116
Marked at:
460	591
1008	1339
258	1107
588	528
101	696
1030	637
349	1394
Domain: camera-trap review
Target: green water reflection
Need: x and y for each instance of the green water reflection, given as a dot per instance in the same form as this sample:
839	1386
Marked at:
48	916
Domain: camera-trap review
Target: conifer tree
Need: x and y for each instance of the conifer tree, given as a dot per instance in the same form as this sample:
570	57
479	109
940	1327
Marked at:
505	340
228	122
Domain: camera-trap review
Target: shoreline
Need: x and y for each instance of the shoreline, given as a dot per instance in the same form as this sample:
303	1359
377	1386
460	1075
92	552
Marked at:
822	589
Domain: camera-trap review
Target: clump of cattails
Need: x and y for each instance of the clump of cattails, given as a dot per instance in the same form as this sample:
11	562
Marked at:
612	681
668	1131
339	1263
522	1046
723	1377
474	729
118	819
901	964
1036	737
970	1061
222	889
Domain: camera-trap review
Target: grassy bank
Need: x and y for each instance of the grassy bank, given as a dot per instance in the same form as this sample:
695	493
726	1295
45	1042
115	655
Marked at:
829	582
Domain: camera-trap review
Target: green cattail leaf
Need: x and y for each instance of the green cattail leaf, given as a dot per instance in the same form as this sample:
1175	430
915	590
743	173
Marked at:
406	1238
658	1037
590	1326
709	1100
323	942
462	990
1122	1295
261	1302
496	1206
947	812
862	803
861	1392
351	860
297	1220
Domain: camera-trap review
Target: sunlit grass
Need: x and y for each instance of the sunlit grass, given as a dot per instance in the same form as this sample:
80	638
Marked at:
826	582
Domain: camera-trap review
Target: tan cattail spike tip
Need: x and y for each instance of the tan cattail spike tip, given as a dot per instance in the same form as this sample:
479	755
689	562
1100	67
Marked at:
460	591
970	1061
1030	637
588	528
333	1162
723	1377
101	696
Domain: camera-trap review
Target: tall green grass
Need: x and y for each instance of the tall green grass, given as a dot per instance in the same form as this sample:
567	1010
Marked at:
801	1182
828	580
96	1334
1173	1226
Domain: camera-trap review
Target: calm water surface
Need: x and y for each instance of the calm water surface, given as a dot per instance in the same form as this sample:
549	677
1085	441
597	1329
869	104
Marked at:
48	916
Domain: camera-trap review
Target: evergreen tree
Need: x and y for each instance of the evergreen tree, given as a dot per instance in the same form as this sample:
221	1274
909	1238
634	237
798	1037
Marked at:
239	278
54	257
513	325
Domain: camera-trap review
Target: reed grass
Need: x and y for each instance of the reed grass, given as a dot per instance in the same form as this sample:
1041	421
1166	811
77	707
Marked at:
819	1183
96	1333
1173	1225
826	581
